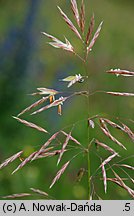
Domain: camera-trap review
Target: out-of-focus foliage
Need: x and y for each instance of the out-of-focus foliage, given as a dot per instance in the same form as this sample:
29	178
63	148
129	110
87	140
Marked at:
28	62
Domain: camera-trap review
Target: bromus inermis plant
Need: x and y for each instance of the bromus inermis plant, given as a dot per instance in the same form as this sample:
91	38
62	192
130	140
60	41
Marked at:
51	98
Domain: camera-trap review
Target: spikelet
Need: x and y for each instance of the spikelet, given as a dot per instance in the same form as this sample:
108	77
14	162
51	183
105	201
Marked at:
104	178
53	104
96	35
106	147
45	91
107	160
30	124
10	160
59	173
71	138
45	145
108	134
42	100
73	79
39	192
75	11
63	147
13	196
118	72
128	131
121	94
70	24
82	16
59	44
90	30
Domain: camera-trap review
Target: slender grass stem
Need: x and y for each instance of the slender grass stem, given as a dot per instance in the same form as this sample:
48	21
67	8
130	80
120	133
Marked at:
88	154
88	165
88	132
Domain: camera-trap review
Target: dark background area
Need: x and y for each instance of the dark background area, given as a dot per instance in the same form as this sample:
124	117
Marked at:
28	62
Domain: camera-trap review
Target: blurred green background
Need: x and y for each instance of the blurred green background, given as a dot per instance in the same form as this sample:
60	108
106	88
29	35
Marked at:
28	62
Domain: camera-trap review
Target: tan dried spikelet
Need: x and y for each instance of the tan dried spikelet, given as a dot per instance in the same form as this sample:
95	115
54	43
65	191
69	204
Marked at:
107	160
63	147
70	24
59	44
30	124
59	173
82	16
90	29
118	72
10	159
13	196
96	35
121	94
75	11
42	100
53	104
104	177
45	145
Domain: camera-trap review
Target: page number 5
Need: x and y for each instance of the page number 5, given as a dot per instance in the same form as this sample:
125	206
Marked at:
127	207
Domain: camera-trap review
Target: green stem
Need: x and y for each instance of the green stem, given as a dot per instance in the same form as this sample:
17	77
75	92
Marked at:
88	170
88	132
88	145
